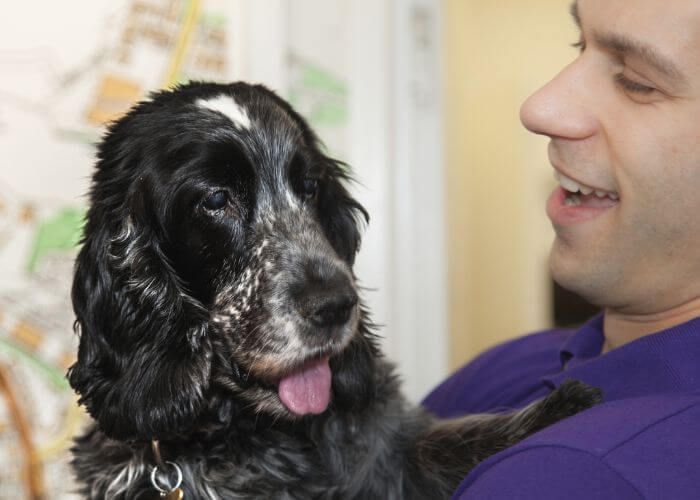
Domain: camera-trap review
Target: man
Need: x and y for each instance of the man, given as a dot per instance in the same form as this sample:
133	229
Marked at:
624	124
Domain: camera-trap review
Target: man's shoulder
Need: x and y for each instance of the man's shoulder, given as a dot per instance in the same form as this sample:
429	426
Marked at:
609	428
500	377
646	446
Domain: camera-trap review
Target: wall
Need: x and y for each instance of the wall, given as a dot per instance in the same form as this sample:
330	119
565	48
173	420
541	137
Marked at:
364	73
498	176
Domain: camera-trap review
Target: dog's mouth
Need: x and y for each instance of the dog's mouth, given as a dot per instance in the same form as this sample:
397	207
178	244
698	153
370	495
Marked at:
307	390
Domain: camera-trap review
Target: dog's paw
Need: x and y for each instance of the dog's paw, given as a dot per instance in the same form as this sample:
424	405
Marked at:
572	397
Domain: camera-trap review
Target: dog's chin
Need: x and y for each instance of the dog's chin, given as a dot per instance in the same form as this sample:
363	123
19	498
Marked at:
298	381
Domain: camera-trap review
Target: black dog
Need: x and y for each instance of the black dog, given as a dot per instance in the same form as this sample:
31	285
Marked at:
218	313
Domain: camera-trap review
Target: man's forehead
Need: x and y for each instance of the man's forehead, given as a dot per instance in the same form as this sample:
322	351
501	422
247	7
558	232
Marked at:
663	33
679	13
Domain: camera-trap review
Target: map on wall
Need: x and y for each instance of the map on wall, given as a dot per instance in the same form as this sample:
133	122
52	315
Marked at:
54	100
65	70
322	98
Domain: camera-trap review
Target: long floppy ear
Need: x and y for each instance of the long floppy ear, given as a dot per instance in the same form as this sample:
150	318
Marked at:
144	356
341	213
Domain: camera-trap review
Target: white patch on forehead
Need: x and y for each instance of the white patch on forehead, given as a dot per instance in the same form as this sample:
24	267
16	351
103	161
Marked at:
226	105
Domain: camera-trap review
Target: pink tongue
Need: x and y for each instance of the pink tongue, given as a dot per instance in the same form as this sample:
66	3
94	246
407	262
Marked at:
308	390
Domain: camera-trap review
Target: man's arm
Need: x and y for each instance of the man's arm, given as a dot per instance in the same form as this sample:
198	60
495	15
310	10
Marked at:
547	473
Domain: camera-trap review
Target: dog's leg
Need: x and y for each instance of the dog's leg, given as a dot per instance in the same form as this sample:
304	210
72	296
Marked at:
449	449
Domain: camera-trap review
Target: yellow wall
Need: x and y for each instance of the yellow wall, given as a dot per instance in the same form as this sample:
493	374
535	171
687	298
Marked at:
498	175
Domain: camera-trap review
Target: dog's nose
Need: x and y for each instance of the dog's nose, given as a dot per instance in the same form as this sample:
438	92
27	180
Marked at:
327	303
333	310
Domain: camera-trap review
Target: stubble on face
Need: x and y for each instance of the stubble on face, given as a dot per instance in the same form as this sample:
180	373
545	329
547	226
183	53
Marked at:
643	255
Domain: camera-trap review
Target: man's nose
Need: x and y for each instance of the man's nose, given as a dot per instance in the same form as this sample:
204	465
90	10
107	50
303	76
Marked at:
562	108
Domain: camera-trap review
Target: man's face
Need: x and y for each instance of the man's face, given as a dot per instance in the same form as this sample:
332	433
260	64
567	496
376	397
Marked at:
624	118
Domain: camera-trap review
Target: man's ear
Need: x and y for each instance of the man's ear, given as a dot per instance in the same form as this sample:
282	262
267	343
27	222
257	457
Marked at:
144	357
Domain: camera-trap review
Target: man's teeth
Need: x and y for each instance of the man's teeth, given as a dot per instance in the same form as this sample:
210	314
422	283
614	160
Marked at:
572	201
574	187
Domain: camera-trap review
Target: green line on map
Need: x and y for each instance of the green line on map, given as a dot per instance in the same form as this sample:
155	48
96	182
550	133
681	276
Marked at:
59	233
52	374
327	93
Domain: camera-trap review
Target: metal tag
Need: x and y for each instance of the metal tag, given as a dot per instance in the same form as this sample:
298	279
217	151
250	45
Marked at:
175	494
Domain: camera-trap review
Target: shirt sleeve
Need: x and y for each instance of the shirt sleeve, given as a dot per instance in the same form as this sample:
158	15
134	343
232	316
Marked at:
547	473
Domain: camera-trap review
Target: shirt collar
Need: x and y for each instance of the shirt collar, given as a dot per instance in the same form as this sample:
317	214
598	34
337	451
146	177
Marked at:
585	343
667	361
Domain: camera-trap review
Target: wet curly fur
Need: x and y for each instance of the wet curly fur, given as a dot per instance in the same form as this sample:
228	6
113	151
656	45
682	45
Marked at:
216	259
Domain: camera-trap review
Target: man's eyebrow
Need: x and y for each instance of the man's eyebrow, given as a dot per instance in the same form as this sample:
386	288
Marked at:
573	9
625	46
628	47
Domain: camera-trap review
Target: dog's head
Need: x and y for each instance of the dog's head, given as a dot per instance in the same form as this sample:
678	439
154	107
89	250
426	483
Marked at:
217	258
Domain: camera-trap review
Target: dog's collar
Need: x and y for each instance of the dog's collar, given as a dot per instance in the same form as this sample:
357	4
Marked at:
168	492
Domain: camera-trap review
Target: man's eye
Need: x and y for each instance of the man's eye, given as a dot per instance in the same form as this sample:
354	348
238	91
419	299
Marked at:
632	86
580	45
216	201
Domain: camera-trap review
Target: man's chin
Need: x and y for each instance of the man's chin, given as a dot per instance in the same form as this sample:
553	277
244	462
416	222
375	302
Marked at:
577	276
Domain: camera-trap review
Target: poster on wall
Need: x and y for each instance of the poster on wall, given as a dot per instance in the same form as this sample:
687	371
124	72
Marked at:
63	75
66	70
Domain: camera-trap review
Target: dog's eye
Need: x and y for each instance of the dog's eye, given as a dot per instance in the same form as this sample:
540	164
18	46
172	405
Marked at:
216	201
309	188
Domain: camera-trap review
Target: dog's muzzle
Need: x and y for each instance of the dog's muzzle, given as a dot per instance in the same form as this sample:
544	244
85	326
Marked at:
325	297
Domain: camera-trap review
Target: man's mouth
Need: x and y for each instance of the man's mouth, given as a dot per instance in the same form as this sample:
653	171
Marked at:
578	194
307	390
574	201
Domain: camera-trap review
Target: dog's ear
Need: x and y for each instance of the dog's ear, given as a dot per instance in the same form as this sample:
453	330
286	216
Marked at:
341	214
144	357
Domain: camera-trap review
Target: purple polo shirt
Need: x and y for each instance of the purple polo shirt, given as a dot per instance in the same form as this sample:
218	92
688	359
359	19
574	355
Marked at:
642	442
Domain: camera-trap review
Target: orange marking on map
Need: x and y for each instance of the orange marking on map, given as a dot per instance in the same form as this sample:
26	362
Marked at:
114	98
27	213
27	335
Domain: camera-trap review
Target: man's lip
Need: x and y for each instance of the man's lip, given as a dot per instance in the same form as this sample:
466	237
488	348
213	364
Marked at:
563	215
560	171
